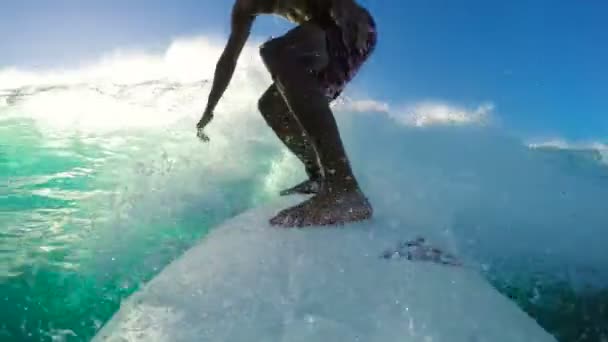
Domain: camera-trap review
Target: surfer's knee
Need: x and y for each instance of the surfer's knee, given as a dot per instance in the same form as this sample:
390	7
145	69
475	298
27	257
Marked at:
270	52
271	105
265	104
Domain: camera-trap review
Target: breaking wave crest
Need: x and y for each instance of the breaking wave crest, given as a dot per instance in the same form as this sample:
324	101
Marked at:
107	157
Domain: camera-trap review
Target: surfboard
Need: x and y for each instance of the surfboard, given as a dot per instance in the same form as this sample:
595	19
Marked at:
249	281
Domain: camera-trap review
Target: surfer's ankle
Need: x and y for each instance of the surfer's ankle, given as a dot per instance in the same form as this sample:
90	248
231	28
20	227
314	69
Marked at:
345	184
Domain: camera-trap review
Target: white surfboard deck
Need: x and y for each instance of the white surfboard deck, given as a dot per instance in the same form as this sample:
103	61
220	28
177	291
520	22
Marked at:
248	281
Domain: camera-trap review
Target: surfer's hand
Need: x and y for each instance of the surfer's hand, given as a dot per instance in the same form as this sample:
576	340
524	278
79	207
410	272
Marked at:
203	122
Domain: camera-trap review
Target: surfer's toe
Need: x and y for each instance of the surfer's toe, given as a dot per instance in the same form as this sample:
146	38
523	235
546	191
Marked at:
291	217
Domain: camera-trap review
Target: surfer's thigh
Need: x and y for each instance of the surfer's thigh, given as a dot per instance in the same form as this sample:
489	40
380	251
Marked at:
304	46
346	57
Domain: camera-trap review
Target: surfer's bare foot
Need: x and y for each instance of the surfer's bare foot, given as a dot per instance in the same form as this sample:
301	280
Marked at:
307	187
326	208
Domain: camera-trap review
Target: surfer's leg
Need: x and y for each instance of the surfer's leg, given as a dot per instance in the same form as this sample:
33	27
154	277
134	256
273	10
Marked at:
282	121
294	61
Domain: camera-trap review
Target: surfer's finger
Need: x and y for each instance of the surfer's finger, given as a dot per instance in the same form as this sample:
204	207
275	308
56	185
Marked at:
202	136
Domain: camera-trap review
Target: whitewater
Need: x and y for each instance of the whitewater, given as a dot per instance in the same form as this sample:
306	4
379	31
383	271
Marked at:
103	183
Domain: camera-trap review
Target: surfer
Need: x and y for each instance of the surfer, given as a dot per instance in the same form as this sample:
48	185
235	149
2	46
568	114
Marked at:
309	65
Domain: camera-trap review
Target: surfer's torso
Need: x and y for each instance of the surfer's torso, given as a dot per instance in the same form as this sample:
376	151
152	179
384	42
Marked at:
301	11
349	29
348	15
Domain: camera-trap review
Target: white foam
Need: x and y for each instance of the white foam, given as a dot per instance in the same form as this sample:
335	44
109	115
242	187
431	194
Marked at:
562	144
475	185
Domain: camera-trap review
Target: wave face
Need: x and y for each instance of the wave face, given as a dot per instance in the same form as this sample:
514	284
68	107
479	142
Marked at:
103	183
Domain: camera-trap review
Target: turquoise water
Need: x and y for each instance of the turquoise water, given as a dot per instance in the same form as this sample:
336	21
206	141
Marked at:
92	209
87	218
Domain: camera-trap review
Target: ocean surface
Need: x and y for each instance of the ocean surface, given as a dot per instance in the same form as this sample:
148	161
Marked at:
103	183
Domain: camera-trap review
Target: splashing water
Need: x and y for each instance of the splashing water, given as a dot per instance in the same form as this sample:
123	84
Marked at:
103	183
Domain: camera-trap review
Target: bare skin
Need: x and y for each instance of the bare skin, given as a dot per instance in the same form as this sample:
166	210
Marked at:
296	108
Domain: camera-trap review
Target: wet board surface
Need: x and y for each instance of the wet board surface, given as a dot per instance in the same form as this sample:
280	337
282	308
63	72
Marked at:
248	281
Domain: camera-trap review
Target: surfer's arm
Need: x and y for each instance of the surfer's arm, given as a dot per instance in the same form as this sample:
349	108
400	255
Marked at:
242	20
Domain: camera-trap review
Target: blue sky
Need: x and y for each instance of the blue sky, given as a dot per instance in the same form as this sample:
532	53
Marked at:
541	62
